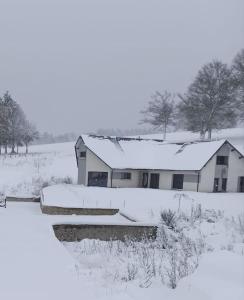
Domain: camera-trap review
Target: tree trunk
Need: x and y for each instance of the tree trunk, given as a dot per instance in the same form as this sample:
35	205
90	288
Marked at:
6	149
12	149
26	148
0	149
164	131
202	135
209	133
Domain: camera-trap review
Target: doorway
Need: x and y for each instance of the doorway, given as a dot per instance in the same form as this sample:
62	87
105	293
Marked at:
154	181
178	180
241	184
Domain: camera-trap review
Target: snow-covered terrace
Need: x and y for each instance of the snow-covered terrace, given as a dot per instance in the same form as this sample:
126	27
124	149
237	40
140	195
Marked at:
144	205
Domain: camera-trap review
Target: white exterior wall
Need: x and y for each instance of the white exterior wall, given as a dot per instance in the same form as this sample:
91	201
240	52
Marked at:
207	174
132	183
166	180
236	169
95	164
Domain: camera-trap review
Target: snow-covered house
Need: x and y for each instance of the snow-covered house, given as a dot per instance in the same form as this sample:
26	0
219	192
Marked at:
210	166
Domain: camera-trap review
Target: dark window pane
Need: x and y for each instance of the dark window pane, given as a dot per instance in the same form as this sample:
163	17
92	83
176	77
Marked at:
154	180
121	175
222	160
145	180
97	179
83	154
178	180
224	184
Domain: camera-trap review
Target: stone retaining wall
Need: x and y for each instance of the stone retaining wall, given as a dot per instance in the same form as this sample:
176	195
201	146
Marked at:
21	199
56	210
73	232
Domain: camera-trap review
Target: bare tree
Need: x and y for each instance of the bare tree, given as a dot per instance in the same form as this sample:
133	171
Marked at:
29	134
238	70
210	101
160	111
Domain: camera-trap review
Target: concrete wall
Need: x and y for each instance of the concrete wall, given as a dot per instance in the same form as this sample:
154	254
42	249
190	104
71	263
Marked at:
72	233
55	210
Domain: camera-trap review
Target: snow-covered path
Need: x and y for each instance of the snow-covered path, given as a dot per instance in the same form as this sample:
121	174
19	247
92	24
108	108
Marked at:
33	264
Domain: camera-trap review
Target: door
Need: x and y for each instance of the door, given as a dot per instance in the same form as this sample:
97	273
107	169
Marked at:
154	181
241	184
216	185
145	179
178	180
98	179
224	184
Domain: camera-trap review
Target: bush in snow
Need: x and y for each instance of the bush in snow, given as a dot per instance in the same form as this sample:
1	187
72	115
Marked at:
169	258
168	218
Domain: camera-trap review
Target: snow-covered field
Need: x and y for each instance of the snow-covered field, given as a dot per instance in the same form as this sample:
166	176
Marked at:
55	163
208	233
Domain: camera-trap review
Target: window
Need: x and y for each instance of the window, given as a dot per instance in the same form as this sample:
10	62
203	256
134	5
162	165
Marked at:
222	160
145	180
178	180
83	154
122	175
98	179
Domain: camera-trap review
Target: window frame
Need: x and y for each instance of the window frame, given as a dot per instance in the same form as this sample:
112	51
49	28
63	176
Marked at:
82	156
225	161
178	188
122	175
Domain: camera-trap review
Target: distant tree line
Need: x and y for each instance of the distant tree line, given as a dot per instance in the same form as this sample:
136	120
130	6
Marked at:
49	138
15	129
214	100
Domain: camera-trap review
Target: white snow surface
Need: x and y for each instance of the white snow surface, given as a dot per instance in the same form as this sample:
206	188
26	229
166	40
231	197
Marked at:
151	154
140	204
35	265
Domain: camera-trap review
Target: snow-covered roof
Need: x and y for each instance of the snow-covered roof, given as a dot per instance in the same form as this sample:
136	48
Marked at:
132	153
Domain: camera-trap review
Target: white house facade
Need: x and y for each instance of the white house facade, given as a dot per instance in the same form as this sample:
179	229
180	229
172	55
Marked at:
211	166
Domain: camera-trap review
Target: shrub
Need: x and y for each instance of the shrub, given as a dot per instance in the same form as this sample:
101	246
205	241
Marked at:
169	218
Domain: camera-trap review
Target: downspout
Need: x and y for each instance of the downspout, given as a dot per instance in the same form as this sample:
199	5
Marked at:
198	180
111	178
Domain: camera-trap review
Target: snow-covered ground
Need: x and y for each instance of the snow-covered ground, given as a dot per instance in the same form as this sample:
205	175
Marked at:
35	265
141	204
24	175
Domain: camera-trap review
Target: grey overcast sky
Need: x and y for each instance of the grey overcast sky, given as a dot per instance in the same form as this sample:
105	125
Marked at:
88	64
